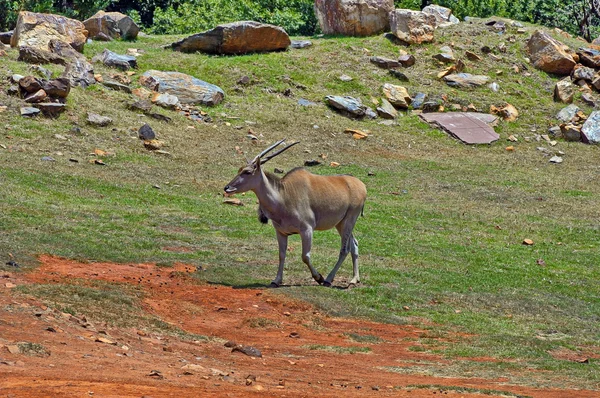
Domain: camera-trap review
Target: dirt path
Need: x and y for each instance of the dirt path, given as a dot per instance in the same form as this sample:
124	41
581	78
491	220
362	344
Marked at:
87	360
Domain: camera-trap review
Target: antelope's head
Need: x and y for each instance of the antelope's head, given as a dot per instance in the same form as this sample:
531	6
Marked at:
250	175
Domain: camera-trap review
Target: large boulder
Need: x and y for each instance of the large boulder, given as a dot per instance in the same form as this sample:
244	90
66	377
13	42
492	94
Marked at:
353	17
36	30
590	132
188	89
443	16
549	55
111	25
236	38
413	27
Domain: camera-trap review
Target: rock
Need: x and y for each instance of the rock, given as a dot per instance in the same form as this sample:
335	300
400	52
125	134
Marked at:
37	56
581	72
141	105
16	78
51	109
441	14
116	86
349	106
37	30
589	57
165	100
38	96
248	350
431	106
397	95
407	60
5	37
30	84
305	102
154	145
494	87
412	27
588	99
78	70
398	75
469	127
111	25
29	111
445	58
418	100
41	71
114	60
345	78
386	110
549	55
353	17
471	56
188	89
465	80
567	114
146	133
564	91
590	132
571	132
384	63
556	159
98	120
507	112
298	44
236	38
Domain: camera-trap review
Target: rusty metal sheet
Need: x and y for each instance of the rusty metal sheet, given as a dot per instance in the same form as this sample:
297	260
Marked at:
469	127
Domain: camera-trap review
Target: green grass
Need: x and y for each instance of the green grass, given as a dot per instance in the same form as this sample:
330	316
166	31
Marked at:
444	222
339	349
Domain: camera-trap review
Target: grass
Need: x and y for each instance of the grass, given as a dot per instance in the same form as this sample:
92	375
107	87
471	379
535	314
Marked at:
338	349
444	222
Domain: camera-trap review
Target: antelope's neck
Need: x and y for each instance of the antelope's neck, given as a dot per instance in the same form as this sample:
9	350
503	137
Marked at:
269	194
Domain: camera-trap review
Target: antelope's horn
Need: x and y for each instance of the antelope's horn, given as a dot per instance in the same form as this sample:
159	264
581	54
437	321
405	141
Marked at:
268	150
271	156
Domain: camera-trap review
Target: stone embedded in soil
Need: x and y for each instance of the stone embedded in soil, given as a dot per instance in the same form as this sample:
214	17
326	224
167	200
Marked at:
466	80
146	133
384	63
98	120
29	111
248	350
188	89
114	60
348	105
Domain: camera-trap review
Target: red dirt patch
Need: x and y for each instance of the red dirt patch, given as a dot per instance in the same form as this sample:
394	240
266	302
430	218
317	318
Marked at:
95	360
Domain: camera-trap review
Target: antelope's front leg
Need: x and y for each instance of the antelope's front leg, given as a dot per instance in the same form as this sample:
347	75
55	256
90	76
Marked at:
282	240
307	236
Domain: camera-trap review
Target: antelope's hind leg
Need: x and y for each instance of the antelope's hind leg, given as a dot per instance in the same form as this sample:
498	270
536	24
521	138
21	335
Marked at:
307	236
354	253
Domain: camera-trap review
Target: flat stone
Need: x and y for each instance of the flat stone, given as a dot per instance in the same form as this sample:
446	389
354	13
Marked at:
386	110
349	106
98	120
469	127
590	132
38	96
116	86
418	100
165	100
445	58
114	60
58	88
188	89
248	350
141	105
29	111
305	102
398	75
583	73
299	44
588	99
466	80
384	63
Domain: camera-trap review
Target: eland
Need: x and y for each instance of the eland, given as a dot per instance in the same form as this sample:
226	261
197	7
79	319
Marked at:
301	203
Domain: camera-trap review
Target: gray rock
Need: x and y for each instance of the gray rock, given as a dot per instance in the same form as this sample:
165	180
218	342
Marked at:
146	133
567	113
116	86
98	120
430	106
445	58
564	91
554	131
41	71
407	60
305	102
583	73
106	26
236	38
166	100
78	70
29	111
466	80
188	89
556	159
298	44
345	78
141	105
590	132
386	110
16	78
114	60
589	99
347	105
418	100
571	132
441	14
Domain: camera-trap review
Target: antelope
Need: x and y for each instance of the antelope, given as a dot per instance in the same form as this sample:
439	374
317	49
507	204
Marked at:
301	203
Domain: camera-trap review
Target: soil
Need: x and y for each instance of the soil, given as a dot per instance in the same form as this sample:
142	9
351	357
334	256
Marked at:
73	357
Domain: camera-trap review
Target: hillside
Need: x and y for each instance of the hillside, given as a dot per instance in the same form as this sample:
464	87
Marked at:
451	299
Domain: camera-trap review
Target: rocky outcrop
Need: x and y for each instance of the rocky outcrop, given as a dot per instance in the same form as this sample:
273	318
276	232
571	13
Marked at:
353	17
236	38
37	30
188	89
412	27
111	25
549	55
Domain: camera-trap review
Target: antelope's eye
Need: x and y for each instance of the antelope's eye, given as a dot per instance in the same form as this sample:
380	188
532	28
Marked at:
245	172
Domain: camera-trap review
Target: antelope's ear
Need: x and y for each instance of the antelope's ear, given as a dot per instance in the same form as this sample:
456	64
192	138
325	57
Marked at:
257	165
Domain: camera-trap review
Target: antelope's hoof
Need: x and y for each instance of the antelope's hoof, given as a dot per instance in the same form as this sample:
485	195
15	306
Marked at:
326	284
273	285
351	285
320	280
